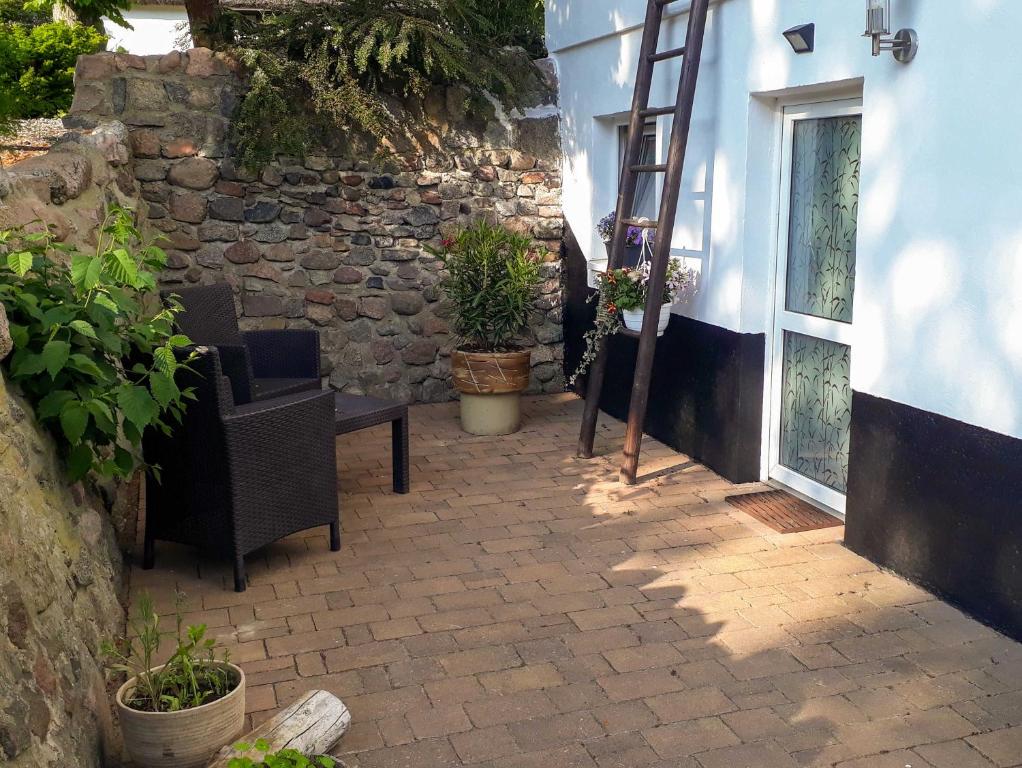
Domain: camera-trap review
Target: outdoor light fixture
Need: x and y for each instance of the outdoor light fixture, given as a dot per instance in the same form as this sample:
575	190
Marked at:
905	42
802	38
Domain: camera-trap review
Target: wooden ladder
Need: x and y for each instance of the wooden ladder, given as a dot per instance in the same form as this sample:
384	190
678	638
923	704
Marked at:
672	170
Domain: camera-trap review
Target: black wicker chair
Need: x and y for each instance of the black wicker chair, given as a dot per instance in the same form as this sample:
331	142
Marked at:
234	478
259	364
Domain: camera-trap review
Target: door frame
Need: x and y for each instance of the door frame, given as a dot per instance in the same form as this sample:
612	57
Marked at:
774	471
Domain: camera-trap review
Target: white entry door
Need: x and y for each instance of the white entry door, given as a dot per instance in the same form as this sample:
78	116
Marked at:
810	387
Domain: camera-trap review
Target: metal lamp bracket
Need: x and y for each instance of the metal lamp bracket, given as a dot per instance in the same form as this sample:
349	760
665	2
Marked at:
904	45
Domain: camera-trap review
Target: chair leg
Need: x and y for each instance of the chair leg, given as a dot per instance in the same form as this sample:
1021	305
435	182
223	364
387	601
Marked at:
335	536
399	448
148	551
240	580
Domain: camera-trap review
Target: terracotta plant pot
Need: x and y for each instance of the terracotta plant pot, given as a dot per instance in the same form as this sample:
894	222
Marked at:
185	739
633	319
490	384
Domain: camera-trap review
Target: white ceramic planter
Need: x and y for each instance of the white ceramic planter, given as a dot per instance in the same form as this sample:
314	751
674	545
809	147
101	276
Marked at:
633	319
185	739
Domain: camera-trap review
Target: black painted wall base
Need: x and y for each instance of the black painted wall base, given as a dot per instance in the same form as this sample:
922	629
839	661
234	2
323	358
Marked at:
939	502
706	398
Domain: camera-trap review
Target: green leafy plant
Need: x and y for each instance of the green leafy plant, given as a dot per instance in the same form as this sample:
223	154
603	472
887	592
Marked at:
93	343
349	64
8	124
517	23
194	675
285	758
491	280
16	11
621	290
37	64
88	12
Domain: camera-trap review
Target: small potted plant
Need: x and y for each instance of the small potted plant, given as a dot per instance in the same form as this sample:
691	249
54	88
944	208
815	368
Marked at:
622	298
177	714
490	282
635	240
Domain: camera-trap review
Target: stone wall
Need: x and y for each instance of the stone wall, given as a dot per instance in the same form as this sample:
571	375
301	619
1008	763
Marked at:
333	242
70	186
59	585
60	565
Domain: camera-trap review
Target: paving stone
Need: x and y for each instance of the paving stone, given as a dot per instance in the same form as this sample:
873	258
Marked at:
518	609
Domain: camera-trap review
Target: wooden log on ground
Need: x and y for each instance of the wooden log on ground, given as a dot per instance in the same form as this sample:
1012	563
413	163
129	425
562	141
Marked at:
312	726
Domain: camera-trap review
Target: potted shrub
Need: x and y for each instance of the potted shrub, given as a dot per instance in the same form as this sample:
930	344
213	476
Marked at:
491	280
622	298
180	713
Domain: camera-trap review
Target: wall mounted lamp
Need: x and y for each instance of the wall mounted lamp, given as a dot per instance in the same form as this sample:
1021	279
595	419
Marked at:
904	44
802	38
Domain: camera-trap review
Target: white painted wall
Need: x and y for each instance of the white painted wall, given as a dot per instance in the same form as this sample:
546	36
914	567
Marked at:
938	304
155	29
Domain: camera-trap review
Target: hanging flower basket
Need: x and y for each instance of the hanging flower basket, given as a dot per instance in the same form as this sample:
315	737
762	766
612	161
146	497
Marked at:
635	240
632	318
622	298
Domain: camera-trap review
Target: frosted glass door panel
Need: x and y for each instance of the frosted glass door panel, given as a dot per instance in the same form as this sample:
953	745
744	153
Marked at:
822	224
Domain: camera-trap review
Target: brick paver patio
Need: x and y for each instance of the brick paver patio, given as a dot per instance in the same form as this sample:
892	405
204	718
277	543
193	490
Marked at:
521	608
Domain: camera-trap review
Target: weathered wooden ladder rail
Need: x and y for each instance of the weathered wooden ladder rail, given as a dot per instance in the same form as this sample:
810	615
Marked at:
312	726
682	111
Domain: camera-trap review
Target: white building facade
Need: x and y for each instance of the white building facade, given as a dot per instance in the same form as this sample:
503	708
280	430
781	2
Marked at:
156	27
856	227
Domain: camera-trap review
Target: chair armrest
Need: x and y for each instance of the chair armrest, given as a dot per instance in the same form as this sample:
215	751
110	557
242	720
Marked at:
282	466
236	366
284	354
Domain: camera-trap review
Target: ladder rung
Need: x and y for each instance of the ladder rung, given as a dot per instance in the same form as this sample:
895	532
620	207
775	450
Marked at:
665	55
642	223
665	2
648	168
653	111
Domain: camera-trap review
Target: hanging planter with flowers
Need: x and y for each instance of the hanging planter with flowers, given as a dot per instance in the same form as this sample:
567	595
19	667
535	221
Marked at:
622	298
635	240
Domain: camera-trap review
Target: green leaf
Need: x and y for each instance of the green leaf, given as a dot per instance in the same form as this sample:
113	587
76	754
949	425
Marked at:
25	363
19	335
163	388
131	433
122	267
59	315
138	406
50	406
102	416
106	302
74	419
84	328
124	460
84	364
55	355
19	263
79	461
179	340
85	271
165	360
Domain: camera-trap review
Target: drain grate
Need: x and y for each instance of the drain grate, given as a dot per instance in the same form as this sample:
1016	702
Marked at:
783	512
